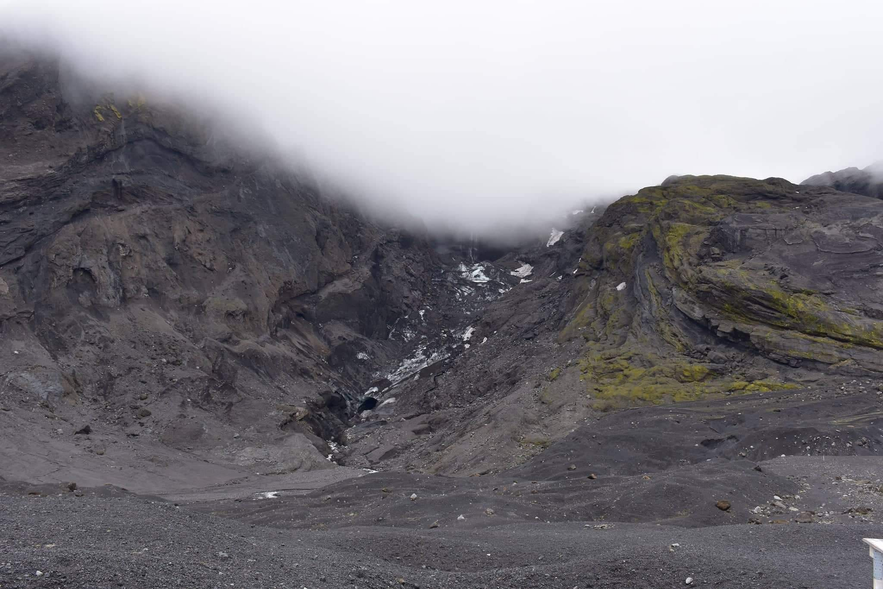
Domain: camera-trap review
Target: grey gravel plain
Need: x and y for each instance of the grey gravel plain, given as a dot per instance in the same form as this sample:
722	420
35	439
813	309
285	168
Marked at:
119	540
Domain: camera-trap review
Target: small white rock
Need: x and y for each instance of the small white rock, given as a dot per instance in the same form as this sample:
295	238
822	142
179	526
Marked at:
689	581
38	573
413	496
461	519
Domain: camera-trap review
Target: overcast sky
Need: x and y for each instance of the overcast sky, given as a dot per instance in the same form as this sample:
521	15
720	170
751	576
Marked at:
474	112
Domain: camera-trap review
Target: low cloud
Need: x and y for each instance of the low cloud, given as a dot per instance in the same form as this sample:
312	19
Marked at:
482	114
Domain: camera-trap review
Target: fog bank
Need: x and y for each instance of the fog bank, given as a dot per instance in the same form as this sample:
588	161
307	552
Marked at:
480	114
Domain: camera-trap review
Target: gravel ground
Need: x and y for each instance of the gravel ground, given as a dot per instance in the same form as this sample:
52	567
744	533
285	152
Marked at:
650	517
115	539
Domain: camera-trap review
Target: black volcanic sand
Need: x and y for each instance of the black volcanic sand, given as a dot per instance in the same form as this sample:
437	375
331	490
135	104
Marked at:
639	509
684	497
126	541
666	464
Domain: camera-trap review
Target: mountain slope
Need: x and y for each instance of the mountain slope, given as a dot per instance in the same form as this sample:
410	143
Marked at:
717	266
867	181
174	291
709	285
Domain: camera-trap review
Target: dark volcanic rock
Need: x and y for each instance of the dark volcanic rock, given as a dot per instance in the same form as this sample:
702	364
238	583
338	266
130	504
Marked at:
720	275
709	285
143	258
867	181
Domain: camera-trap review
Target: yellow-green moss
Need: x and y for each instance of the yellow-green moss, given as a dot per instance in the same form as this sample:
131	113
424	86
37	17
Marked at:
628	242
665	329
645	378
581	319
802	311
694	373
722	201
100	109
631	361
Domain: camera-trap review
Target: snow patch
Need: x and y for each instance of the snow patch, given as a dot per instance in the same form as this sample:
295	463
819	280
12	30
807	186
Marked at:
554	238
415	364
474	273
578	212
524	281
268	495
333	446
467	335
523	271
620	286
389	401
422	313
362	356
463	291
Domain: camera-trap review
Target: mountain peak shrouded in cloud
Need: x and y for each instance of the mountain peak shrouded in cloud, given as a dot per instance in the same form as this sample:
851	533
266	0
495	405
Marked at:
867	181
477	115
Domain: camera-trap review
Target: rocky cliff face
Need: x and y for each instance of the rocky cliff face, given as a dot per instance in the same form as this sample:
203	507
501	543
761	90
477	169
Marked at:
158	283
703	286
715	268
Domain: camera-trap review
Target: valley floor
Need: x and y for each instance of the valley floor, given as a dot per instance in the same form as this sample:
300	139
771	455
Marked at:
721	519
101	540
